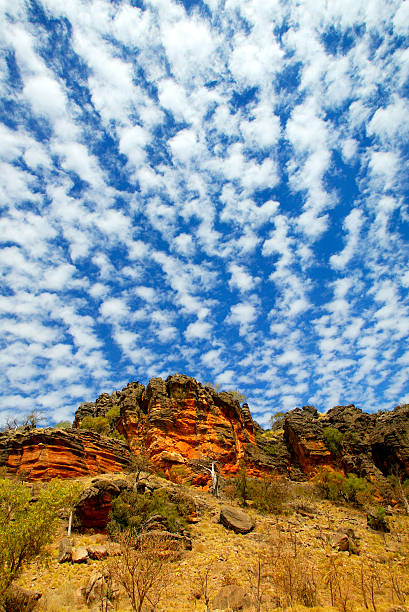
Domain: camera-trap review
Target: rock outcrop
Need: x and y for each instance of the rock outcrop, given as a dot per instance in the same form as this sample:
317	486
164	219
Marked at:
93	507
179	422
43	454
183	427
370	445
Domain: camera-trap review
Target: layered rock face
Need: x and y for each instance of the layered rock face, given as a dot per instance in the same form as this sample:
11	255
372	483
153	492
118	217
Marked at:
180	422
43	454
182	426
371	445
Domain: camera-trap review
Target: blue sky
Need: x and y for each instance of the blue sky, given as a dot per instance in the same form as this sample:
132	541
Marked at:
213	187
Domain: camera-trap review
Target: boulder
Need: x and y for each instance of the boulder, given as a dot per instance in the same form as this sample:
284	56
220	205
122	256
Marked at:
19	600
232	597
79	555
65	550
340	542
97	552
346	540
235	519
93	508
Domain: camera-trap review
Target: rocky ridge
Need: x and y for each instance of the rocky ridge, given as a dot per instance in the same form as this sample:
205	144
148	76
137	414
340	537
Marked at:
182	425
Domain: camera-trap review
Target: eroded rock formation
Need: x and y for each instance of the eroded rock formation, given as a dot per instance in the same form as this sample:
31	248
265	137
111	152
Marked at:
43	454
370	445
179	422
182	425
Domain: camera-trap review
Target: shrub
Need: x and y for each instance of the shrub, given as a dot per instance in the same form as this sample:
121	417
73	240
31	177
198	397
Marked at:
113	414
63	425
333	439
133	511
180	474
99	424
376	520
267	495
105	425
337	487
25	527
142	568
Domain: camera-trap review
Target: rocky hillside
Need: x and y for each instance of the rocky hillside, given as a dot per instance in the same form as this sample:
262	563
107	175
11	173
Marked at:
181	424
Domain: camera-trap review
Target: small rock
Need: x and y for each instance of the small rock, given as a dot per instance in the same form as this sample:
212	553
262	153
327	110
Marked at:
97	552
17	599
346	541
232	597
341	542
235	519
65	550
79	555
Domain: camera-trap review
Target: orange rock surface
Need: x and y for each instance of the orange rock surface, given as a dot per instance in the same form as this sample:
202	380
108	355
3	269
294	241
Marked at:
179	422
43	454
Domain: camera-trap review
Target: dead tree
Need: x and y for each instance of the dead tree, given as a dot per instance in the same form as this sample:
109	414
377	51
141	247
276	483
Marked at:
208	466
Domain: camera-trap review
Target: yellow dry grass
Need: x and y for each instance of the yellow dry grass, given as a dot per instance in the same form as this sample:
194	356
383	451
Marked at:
297	564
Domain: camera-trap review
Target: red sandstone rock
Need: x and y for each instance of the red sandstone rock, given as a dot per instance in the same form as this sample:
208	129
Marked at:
178	421
43	454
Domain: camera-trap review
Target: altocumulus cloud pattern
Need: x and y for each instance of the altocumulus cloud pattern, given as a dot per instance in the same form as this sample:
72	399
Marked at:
213	187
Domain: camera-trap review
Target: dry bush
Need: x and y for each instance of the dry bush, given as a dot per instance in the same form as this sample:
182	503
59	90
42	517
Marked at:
143	567
62	599
293	575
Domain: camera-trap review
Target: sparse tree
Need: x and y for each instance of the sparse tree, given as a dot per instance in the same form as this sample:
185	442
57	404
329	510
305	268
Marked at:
143	566
208	465
34	419
277	420
25	527
204	586
237	395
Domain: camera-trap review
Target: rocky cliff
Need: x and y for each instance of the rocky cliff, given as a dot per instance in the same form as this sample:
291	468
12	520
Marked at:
182	425
43	454
345	438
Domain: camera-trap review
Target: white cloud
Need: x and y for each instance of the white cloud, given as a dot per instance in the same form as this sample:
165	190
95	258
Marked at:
198	329
243	315
241	279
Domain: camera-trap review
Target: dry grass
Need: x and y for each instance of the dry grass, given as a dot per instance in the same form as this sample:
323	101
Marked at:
287	563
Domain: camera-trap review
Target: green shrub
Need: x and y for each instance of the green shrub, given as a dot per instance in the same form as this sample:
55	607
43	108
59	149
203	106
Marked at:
106	424
376	520
26	527
113	414
333	439
267	495
132	511
63	425
337	487
99	424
